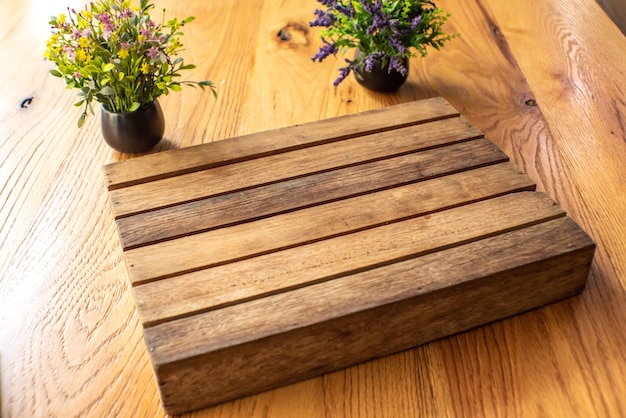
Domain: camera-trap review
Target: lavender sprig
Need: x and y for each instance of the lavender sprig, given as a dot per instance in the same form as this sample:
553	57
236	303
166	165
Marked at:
384	31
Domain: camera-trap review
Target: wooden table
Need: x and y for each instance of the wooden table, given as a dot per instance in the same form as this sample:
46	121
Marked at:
546	84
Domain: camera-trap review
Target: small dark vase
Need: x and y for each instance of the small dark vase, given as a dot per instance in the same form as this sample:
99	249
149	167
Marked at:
380	79
134	132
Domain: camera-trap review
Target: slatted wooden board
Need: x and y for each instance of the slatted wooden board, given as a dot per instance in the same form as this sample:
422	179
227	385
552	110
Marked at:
270	258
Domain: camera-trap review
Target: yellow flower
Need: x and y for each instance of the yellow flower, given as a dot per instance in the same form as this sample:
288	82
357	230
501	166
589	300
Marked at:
123	53
81	55
145	68
83	42
61	19
174	46
140	38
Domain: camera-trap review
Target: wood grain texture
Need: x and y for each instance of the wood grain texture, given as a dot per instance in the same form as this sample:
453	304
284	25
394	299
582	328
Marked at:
323	260
70	338
257	339
285	164
186	292
263	201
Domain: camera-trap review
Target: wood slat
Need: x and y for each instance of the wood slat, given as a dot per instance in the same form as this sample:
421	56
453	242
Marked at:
190	159
199	251
257	203
189	294
403	304
171	191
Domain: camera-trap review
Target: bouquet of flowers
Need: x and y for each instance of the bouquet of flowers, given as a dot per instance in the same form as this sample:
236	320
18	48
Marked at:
384	31
115	54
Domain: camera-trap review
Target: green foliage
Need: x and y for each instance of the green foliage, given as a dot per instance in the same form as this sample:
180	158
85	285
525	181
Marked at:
389	31
115	54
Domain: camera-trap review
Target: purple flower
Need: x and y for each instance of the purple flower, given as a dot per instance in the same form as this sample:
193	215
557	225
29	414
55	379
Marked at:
343	73
415	22
103	17
328	3
145	32
372	59
126	14
70	52
397	44
395	63
346	11
325	50
153	53
324	19
76	34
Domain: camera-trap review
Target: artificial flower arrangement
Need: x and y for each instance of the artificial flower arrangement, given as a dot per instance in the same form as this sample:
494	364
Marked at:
115	54
387	32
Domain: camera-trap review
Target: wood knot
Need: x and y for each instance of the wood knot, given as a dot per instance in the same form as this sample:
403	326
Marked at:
531	102
495	30
294	34
26	102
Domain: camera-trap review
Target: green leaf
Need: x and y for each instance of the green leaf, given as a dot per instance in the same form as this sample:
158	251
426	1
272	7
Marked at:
189	19
120	76
108	67
107	91
56	73
134	106
90	69
81	120
175	87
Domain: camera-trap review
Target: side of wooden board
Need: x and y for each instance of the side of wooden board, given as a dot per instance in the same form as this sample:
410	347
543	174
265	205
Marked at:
415	301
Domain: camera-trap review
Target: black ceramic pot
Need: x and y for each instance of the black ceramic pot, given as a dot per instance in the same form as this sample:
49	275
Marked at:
134	132
380	79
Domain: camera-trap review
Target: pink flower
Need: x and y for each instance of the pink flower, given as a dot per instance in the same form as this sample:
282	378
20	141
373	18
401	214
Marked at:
153	53
69	51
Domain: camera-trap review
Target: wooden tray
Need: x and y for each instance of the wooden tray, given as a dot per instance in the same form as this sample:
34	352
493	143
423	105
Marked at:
270	258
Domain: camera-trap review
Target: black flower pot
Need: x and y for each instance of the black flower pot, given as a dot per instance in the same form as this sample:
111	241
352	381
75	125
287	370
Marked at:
134	132
380	79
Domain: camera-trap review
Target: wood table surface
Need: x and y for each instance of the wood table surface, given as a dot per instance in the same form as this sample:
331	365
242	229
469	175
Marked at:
546	81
